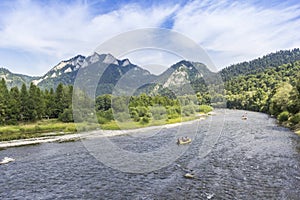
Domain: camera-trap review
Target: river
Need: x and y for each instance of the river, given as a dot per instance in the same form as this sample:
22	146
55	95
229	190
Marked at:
230	158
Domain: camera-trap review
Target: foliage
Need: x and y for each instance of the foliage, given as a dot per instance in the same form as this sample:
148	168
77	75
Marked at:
273	91
37	129
284	116
295	119
32	104
259	65
66	116
145	109
205	108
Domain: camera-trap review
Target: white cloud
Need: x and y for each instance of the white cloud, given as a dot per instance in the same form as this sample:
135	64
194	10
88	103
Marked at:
235	31
60	30
230	31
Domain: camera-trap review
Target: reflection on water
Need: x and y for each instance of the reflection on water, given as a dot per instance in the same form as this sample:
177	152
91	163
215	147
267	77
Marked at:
253	159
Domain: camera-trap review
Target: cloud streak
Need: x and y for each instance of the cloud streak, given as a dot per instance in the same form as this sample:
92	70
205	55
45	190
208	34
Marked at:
61	30
230	31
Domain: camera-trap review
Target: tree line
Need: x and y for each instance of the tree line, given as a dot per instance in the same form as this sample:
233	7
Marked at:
143	108
32	104
275	91
260	64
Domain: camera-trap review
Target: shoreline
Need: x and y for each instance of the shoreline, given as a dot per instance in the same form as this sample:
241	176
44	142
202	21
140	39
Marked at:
84	135
72	137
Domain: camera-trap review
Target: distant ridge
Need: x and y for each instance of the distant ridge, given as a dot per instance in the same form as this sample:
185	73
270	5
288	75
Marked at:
177	77
260	64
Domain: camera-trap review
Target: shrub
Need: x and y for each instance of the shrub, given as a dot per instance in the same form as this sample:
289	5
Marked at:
142	111
102	120
158	112
284	116
122	117
188	110
173	112
134	115
66	116
205	108
145	120
295	119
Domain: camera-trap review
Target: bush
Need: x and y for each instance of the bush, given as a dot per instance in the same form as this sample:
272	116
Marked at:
122	117
66	116
158	112
188	110
102	120
173	112
284	116
142	111
134	115
145	120
295	119
205	108
104	116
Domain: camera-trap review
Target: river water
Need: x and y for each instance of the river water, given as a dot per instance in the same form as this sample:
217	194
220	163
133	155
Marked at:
230	158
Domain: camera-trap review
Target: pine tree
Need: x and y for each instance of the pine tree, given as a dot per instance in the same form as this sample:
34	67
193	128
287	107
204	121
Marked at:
4	97
24	104
59	101
40	103
14	105
32	104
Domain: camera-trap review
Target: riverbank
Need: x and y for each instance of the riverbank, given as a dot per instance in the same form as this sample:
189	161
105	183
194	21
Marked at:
71	137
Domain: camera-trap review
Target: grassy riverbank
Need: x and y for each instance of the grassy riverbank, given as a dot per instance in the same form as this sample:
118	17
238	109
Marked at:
36	129
52	127
113	125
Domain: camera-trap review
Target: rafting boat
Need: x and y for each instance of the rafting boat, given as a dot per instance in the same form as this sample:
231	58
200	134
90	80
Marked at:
189	175
244	118
184	141
6	160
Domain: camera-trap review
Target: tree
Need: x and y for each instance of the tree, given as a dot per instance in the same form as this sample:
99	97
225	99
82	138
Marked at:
59	101
49	97
32	103
14	105
4	96
24	104
280	100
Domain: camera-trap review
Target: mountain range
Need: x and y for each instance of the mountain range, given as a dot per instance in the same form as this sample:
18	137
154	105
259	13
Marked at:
122	73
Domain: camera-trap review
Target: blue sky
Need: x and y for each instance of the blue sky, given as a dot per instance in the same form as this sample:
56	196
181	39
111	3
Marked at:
36	35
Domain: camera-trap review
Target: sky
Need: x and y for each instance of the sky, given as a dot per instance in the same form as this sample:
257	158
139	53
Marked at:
35	35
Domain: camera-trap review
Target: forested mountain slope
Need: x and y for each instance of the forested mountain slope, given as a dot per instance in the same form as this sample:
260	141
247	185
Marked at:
275	91
260	64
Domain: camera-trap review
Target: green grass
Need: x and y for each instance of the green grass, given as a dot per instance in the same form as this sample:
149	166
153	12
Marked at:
52	127
37	129
113	125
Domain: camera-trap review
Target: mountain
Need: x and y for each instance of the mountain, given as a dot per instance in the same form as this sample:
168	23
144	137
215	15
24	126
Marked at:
260	64
64	72
112	75
184	77
15	79
121	76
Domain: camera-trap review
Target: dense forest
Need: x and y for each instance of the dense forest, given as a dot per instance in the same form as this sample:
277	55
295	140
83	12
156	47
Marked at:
260	64
275	91
31	104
